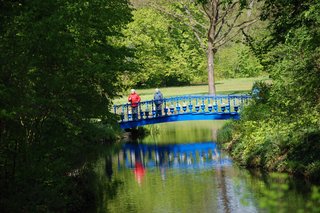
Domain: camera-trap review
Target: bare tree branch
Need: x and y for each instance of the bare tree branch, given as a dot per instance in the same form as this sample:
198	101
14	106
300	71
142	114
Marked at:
246	22
203	11
229	29
226	12
180	18
213	15
191	19
222	42
222	19
206	10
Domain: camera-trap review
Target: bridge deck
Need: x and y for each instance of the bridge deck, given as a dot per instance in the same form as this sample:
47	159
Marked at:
181	108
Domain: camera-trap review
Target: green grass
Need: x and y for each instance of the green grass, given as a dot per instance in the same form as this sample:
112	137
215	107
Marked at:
228	86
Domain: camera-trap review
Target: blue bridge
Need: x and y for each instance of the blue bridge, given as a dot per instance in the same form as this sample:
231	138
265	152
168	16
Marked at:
181	108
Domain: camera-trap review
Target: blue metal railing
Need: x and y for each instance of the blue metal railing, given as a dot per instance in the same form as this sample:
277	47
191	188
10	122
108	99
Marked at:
182	105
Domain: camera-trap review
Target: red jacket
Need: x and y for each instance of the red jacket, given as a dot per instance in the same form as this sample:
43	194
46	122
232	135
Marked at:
134	99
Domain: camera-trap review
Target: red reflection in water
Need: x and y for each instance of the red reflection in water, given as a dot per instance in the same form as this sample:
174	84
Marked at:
139	172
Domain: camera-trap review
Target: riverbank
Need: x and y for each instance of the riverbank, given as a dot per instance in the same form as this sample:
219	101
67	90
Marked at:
275	141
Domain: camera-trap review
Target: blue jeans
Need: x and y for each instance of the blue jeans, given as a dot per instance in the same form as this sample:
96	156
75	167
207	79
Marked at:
134	113
158	110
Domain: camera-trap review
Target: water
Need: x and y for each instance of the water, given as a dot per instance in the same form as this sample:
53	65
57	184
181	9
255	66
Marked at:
179	168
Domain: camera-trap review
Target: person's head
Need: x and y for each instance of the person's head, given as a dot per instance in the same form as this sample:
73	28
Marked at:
132	91
157	90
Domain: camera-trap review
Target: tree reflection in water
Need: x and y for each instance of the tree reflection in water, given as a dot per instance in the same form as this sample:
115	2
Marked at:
193	177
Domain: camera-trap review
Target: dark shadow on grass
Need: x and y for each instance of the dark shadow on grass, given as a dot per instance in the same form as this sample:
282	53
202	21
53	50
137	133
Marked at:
233	92
202	84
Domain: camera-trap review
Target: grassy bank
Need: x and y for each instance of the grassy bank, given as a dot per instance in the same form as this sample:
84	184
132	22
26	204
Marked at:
270	138
228	86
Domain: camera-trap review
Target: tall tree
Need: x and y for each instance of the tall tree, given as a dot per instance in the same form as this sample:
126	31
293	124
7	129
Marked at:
213	22
224	25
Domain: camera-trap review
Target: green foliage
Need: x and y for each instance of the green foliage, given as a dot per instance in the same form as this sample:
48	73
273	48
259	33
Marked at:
165	51
274	193
224	134
280	128
248	64
260	92
314	204
171	40
235	61
60	68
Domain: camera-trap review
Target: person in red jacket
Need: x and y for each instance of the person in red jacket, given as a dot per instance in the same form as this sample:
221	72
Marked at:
134	99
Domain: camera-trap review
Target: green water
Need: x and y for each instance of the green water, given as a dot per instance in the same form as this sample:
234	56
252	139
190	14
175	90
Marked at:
179	168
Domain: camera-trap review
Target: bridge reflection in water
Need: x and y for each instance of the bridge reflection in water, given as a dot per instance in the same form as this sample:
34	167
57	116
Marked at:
196	175
177	156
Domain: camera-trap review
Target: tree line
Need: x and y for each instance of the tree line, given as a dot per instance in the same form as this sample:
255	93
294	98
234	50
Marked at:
280	129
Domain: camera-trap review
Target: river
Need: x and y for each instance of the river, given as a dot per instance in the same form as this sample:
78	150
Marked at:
180	168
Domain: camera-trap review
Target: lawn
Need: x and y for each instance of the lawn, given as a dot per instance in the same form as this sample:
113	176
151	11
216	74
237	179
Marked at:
228	86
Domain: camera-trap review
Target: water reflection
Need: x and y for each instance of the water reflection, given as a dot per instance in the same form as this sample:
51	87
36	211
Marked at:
176	178
191	176
181	157
178	156
139	171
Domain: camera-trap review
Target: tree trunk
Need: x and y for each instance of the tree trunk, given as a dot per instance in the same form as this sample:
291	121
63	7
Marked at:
212	12
211	80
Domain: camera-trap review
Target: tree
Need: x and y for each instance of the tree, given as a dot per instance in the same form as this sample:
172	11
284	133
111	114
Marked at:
166	52
225	20
60	67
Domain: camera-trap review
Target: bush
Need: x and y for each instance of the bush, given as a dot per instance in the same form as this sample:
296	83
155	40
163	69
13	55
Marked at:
260	91
224	134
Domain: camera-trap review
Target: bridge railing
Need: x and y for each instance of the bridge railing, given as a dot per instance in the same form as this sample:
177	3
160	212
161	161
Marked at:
182	105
